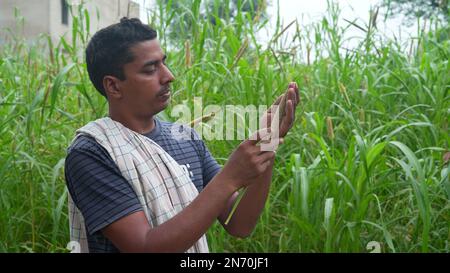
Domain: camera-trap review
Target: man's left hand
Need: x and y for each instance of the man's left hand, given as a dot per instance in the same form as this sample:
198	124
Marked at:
292	101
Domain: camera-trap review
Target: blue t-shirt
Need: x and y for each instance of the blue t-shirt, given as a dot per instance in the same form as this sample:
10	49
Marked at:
104	196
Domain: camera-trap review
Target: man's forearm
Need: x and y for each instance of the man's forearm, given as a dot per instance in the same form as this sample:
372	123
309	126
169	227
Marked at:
182	231
187	227
245	167
249	209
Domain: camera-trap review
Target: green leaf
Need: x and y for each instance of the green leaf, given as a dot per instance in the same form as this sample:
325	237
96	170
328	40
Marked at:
57	86
374	152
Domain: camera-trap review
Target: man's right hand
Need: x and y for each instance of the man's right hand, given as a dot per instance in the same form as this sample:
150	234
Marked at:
248	161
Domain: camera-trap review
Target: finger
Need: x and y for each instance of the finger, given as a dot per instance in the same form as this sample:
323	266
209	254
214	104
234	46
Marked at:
297	92
290	112
264	121
292	96
258	135
277	101
288	120
290	107
294	86
266	156
270	146
274	105
269	120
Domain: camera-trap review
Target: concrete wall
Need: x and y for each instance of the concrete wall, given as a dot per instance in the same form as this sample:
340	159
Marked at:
35	13
56	27
44	16
102	13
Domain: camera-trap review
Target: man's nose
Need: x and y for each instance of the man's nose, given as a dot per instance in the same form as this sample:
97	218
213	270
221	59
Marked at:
167	75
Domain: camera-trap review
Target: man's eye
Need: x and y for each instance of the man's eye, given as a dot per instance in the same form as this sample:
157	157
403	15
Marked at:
150	70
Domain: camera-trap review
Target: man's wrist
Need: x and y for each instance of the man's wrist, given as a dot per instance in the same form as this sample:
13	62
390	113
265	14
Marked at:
227	183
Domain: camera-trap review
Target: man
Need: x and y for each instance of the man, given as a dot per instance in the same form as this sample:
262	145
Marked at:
127	193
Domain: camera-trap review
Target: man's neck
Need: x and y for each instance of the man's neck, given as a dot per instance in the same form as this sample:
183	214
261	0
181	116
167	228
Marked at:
138	124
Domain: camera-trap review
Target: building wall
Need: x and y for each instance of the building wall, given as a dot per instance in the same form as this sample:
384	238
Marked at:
102	13
44	16
35	13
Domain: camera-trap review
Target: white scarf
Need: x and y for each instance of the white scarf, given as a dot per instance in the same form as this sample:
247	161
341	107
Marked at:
161	185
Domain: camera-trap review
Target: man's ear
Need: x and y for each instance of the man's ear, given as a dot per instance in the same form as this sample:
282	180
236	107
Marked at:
112	87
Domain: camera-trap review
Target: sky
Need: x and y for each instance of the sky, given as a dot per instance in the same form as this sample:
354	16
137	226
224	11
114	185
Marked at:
308	11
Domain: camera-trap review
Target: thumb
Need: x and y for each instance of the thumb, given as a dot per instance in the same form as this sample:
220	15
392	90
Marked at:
258	136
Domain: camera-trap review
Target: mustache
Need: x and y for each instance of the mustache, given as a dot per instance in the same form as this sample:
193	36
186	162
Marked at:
163	90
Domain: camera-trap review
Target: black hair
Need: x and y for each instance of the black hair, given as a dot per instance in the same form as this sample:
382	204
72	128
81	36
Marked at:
109	49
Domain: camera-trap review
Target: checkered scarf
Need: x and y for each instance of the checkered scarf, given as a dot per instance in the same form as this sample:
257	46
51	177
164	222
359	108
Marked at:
161	185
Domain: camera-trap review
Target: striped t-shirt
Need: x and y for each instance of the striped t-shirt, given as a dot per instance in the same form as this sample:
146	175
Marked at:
103	195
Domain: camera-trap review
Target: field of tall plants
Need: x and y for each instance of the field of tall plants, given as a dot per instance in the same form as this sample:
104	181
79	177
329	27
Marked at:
366	166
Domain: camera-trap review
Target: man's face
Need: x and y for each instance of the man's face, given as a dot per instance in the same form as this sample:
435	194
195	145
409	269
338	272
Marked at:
146	90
